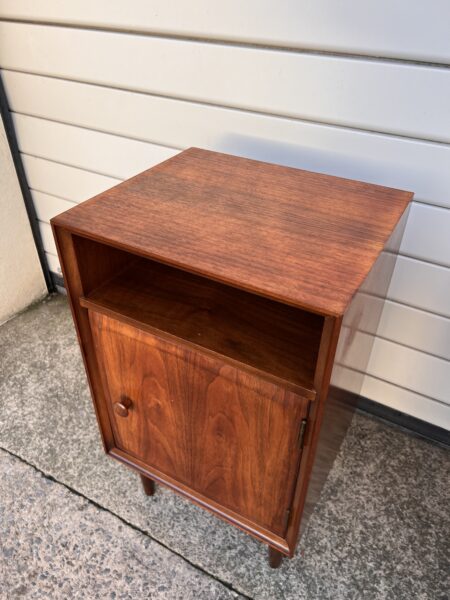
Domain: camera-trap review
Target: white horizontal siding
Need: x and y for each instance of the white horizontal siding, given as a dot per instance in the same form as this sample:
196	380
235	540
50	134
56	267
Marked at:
102	152
366	94
403	29
53	263
408	401
427	234
47	206
94	107
66	182
421	285
402	366
387	160
415	283
421	407
47	238
415	328
403	324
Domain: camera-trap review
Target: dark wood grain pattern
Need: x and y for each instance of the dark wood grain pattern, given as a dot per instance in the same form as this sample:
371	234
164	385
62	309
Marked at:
212	296
273	338
303	238
218	430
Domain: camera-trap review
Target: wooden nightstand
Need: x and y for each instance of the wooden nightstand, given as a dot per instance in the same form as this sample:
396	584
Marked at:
209	294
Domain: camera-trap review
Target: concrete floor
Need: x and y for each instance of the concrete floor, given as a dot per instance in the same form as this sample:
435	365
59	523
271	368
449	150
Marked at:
73	523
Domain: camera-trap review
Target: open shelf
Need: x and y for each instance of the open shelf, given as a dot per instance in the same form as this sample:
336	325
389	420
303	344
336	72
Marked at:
278	340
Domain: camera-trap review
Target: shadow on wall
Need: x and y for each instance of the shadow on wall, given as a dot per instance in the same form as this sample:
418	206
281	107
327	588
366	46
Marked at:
371	168
290	155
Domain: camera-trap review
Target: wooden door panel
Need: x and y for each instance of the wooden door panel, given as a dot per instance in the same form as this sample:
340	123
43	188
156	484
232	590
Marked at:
246	445
221	431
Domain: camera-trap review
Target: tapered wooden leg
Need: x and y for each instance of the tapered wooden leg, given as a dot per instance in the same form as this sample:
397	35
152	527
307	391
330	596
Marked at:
275	558
148	484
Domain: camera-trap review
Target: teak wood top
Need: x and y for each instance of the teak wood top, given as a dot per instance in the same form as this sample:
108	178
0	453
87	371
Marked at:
303	238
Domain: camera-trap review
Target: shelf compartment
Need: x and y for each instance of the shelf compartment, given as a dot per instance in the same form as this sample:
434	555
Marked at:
277	340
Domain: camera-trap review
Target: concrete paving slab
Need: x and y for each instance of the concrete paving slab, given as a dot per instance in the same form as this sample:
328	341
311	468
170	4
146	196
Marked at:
55	544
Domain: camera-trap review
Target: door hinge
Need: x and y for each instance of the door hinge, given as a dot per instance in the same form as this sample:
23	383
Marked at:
301	433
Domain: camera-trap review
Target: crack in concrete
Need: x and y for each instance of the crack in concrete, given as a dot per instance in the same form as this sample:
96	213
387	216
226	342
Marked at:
125	522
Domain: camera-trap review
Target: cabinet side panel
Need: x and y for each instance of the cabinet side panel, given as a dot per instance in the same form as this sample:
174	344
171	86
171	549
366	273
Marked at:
339	400
98	262
327	349
73	277
354	350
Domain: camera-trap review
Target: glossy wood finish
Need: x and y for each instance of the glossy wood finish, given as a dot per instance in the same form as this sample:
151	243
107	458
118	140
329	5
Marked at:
122	405
211	389
275	339
306	239
220	431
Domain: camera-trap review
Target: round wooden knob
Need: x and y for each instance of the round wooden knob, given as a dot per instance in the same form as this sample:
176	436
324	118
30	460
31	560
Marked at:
121	407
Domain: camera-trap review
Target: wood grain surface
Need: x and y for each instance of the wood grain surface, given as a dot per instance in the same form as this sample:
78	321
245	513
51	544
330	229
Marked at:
226	434
209	294
273	338
303	238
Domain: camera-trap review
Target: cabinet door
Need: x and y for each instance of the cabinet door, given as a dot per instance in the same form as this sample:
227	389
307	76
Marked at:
220	431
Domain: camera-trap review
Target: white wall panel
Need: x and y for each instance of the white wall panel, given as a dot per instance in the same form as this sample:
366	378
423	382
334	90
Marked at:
407	401
422	285
416	328
414	282
403	324
53	263
367	94
408	368
66	182
48	206
403	29
47	238
414	404
427	234
105	153
402	366
423	167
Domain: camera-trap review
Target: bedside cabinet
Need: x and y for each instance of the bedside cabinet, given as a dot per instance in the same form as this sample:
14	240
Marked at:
212	296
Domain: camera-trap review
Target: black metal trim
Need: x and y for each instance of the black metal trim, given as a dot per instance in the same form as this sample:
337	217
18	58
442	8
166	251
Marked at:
57	280
26	194
400	419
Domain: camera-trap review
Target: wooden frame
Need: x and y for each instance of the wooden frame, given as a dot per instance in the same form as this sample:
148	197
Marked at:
210	363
